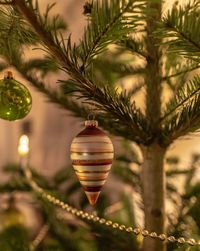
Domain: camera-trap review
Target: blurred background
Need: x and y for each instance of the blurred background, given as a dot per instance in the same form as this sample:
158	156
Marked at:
51	131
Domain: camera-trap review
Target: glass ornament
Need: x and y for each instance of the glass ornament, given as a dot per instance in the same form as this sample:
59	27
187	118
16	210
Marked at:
15	99
92	155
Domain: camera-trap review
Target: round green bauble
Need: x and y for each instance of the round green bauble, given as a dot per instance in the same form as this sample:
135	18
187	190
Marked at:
15	99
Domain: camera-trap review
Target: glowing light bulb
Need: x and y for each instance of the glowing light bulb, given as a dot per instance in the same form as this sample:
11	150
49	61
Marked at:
23	146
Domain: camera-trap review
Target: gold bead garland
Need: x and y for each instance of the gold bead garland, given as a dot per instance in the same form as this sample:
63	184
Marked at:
39	238
102	221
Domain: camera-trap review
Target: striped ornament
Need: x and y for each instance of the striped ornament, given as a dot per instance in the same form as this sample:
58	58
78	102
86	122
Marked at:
92	155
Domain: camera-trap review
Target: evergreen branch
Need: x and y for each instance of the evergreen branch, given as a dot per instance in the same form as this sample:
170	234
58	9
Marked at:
44	65
184	116
122	69
104	70
136	88
134	46
46	37
181	72
14	30
183	96
109	22
174	172
76	108
53	96
119	106
181	27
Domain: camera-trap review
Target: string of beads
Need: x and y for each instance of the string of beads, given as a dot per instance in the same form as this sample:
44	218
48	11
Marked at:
91	217
39	238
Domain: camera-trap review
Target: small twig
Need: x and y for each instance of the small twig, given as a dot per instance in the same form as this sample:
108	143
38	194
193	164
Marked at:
181	72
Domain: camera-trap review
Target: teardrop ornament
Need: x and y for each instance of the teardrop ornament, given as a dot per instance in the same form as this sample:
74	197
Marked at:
92	154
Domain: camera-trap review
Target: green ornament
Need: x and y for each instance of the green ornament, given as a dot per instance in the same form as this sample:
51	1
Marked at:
11	217
15	99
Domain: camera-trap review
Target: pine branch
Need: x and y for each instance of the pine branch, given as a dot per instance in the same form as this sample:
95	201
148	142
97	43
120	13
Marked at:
119	106
178	71
134	46
109	22
181	28
197	66
43	65
47	38
14	32
183	114
105	65
55	97
109	123
136	88
78	109
184	95
105	71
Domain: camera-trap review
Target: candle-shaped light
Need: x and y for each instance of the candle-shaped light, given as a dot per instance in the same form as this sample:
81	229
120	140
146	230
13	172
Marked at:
23	150
23	147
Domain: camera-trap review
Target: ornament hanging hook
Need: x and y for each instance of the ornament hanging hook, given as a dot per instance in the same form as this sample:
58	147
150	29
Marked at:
8	75
91	116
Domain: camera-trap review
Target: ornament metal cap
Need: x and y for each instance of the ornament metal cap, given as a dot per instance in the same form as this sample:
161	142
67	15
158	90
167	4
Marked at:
8	74
91	123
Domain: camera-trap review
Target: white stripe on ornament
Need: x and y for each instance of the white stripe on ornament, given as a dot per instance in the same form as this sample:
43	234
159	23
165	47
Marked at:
85	156
92	168
93	175
92	183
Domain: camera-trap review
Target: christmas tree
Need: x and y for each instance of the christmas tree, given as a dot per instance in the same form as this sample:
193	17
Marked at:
160	52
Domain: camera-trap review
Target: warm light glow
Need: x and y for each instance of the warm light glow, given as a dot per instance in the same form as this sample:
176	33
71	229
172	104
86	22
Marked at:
23	147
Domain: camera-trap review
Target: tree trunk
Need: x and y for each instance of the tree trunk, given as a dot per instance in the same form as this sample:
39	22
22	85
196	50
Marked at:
153	179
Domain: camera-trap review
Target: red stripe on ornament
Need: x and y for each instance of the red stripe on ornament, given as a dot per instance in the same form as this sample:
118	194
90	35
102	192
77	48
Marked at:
91	162
92	189
91	171
92	152
91	131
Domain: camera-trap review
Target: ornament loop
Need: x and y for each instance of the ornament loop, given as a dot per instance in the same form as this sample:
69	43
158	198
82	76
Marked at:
91	116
